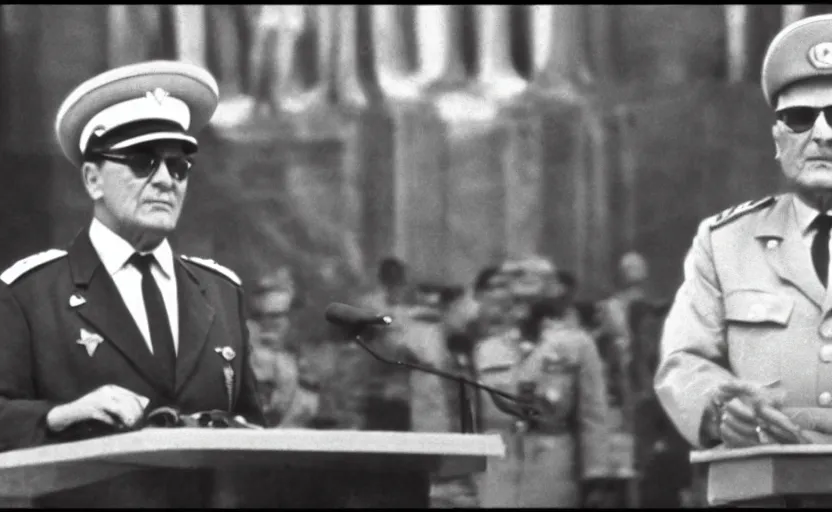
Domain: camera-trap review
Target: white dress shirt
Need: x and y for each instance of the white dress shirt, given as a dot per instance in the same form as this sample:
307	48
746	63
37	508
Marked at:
114	252
805	215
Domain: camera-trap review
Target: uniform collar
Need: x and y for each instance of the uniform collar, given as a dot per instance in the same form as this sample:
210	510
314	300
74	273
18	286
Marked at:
805	214
780	221
114	251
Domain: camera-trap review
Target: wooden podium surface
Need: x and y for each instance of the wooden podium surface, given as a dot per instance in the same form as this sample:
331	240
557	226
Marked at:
765	471
36	471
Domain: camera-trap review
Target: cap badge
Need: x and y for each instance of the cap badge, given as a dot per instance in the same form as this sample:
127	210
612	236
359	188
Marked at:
158	94
820	55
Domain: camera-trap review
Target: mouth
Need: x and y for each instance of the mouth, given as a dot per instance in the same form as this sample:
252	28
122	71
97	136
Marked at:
159	203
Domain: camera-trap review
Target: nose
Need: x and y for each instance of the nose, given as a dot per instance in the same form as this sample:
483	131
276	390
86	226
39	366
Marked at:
162	176
822	132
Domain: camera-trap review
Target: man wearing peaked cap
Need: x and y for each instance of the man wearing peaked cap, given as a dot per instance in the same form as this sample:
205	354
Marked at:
751	319
117	324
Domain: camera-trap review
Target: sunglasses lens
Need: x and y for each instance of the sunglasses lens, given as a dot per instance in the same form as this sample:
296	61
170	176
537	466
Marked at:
178	167
798	119
142	165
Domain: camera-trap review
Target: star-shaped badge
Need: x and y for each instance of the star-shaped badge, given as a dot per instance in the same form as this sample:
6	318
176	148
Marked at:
76	300
90	341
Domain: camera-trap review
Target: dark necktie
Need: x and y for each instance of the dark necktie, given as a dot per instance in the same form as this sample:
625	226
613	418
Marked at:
157	318
820	246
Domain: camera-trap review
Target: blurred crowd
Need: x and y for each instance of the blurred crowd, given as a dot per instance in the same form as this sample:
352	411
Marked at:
601	440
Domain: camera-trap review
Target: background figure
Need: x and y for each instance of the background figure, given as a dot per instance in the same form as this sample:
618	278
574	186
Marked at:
288	394
387	398
615	344
567	287
555	362
362	392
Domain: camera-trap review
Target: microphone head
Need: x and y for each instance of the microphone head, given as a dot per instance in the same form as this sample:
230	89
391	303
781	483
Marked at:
349	316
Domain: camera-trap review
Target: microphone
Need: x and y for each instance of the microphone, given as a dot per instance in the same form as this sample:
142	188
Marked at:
358	319
349	316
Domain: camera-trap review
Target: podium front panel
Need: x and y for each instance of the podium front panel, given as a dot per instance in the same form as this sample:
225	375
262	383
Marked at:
766	471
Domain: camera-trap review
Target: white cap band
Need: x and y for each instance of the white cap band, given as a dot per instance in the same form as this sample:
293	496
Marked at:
153	105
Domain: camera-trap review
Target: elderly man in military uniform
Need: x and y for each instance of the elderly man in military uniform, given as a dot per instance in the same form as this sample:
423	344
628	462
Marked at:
118	323
752	317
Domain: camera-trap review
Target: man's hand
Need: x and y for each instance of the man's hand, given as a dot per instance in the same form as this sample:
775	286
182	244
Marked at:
738	425
751	416
109	404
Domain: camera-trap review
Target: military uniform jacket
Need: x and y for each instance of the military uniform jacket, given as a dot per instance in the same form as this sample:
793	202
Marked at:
43	362
751	306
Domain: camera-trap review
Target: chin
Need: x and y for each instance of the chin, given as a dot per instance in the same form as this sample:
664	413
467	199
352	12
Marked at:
162	226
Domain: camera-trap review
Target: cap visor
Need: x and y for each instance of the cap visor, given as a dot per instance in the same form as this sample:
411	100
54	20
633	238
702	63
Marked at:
154	137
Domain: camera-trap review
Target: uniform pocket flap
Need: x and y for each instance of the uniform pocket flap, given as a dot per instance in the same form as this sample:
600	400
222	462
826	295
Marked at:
755	306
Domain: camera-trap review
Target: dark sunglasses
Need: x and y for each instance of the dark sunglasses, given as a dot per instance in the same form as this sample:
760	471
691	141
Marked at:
801	119
145	164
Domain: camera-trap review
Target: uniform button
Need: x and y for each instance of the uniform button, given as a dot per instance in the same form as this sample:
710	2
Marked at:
826	353
825	399
826	329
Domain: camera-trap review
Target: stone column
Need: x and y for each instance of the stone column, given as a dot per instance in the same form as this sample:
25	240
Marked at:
497	78
189	33
439	46
348	86
736	40
792	12
392	73
560	66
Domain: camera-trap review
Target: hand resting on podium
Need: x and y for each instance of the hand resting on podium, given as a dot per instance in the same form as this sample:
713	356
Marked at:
108	405
753	414
113	409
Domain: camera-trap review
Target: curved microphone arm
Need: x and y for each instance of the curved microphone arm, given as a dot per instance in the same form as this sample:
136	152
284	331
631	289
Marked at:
505	402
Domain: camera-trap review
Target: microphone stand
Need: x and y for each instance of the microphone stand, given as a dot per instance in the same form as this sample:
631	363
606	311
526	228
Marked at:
505	402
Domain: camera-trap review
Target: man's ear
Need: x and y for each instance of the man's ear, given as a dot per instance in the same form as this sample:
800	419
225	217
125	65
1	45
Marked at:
91	174
774	132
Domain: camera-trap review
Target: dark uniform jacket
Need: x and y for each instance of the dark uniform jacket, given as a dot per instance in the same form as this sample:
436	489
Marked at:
47	300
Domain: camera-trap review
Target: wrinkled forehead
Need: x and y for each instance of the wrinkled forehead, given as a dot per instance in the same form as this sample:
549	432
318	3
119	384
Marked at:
814	92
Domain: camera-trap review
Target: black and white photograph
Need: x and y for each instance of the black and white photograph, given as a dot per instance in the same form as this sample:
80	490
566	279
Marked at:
415	256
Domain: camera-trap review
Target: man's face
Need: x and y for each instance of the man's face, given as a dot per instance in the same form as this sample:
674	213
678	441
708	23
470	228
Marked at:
130	204
806	157
495	301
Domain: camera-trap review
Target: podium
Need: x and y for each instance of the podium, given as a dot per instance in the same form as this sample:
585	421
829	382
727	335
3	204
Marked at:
765	471
358	468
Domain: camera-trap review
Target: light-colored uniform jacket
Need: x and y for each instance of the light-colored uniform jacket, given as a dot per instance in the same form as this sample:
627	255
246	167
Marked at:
751	306
545	468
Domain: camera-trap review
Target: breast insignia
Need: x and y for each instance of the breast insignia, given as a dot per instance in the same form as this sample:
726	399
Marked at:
739	210
216	267
30	263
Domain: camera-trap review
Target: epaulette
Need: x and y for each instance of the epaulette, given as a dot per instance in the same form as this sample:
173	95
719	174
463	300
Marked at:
216	267
29	263
735	212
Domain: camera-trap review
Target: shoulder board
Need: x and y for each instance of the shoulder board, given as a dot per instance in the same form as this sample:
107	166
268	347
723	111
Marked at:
216	267
738	211
29	263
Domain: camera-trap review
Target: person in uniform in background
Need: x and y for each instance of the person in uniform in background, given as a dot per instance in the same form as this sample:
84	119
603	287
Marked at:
569	285
118	323
288	393
615	342
554	461
750	321
432	397
362	392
